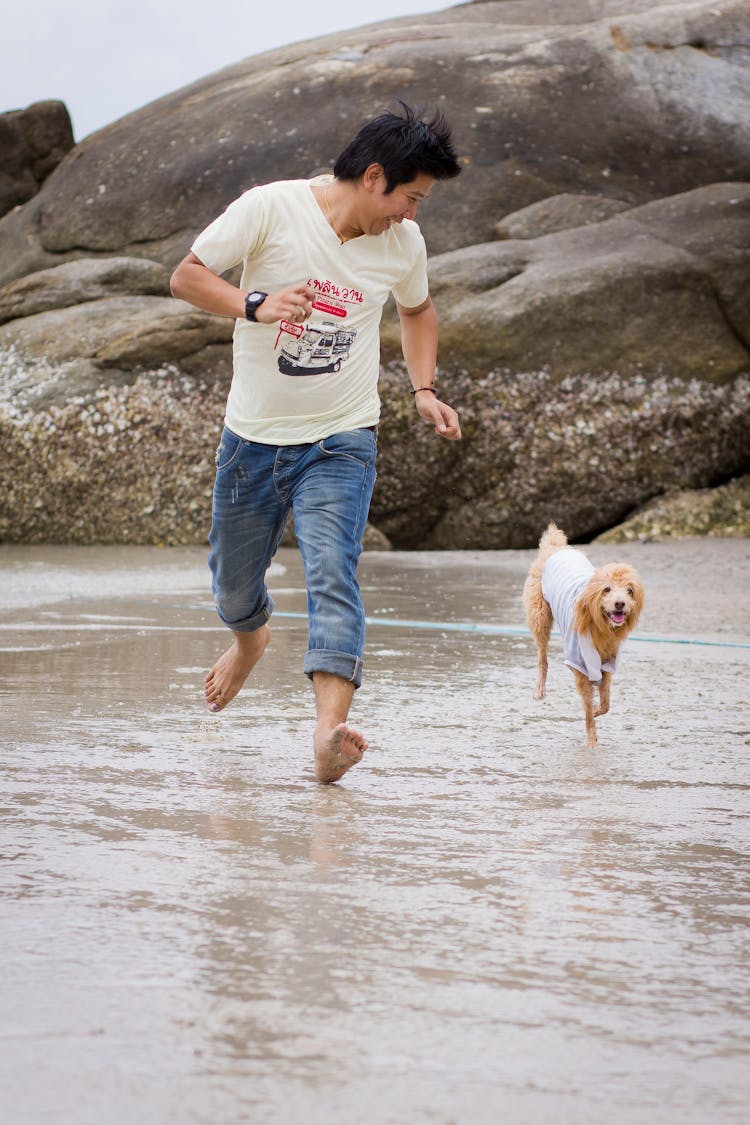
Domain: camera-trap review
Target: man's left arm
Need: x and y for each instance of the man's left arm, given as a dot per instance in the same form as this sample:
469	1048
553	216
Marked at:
419	341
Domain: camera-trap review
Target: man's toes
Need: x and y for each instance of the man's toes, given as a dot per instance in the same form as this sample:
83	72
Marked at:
356	747
352	739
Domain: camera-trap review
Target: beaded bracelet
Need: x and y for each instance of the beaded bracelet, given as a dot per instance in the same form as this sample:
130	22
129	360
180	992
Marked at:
417	389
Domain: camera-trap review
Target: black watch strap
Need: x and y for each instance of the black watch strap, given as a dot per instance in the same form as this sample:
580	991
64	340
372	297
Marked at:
253	301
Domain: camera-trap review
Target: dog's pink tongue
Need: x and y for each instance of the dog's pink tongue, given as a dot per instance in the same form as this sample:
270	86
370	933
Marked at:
617	618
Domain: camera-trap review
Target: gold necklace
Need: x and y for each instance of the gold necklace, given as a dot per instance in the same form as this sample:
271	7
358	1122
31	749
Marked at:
336	230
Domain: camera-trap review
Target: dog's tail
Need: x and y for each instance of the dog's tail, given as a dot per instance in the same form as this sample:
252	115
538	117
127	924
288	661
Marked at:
553	539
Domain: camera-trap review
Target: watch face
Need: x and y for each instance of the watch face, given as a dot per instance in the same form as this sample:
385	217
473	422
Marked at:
252	302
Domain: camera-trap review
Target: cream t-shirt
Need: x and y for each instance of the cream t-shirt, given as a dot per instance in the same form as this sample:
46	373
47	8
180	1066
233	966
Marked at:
296	383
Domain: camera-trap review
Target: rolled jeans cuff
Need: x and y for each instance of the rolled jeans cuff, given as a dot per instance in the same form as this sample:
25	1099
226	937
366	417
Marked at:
341	664
250	624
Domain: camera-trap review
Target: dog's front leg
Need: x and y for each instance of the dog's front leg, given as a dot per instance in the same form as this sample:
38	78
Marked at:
585	689
603	695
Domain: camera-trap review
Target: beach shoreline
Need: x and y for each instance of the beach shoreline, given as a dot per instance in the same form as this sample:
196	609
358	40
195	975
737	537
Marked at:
489	920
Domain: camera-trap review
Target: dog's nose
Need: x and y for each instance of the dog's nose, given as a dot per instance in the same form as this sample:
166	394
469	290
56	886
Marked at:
619	606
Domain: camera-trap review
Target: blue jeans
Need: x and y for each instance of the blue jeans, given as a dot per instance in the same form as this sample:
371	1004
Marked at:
327	484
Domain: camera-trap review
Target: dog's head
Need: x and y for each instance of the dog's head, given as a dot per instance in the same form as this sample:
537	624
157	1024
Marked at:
612	601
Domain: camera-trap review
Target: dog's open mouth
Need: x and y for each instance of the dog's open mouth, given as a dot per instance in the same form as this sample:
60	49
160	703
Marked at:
616	616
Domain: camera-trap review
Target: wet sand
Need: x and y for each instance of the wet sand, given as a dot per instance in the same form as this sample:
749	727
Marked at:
484	922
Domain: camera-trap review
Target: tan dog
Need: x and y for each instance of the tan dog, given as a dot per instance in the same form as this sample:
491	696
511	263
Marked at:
594	610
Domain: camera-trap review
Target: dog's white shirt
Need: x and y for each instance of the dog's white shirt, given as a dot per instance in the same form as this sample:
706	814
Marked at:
564	576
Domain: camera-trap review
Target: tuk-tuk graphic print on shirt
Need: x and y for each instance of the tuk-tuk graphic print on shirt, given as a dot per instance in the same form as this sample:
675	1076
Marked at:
316	349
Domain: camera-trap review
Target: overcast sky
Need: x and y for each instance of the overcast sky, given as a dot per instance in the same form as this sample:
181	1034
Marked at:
104	58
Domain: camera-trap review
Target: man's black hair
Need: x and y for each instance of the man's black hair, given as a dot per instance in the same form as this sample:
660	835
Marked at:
404	145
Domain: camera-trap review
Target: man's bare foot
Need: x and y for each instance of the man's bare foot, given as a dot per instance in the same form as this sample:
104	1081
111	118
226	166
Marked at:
232	669
336	751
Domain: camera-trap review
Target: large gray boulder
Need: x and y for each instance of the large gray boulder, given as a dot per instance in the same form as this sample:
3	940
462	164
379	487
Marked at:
559	212
71	329
70	352
659	289
33	141
83	279
624	99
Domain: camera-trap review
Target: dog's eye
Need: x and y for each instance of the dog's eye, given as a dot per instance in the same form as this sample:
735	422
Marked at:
607	589
630	591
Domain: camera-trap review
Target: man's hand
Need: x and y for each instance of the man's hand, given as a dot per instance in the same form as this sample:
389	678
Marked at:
444	418
293	304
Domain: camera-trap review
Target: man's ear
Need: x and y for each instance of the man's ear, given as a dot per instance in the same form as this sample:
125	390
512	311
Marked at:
373	175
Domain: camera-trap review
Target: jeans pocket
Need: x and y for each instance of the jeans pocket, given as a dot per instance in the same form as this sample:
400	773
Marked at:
228	450
358	445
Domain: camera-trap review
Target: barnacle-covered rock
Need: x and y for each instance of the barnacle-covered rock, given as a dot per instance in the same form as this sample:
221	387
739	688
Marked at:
722	512
585	451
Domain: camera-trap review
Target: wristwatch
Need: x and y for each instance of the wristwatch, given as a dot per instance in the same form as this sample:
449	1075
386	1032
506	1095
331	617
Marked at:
253	301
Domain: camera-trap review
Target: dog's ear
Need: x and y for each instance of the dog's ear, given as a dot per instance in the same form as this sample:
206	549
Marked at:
632	580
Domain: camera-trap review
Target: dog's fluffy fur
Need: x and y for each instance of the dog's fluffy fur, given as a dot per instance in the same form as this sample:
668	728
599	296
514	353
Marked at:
607	610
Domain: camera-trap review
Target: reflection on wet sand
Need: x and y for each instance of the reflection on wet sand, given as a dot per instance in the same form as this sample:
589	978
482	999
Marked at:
484	922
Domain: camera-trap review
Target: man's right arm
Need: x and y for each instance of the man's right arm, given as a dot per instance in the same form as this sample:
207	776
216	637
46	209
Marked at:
198	285
195	283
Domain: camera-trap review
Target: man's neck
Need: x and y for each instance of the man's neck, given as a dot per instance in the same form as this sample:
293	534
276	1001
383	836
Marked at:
338	202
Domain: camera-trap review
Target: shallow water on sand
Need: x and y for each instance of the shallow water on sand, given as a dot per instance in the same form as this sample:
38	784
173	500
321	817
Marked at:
484	922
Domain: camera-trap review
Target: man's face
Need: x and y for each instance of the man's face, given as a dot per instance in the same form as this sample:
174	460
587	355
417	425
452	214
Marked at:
387	208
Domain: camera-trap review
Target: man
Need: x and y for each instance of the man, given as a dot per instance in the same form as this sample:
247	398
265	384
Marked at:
319	260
